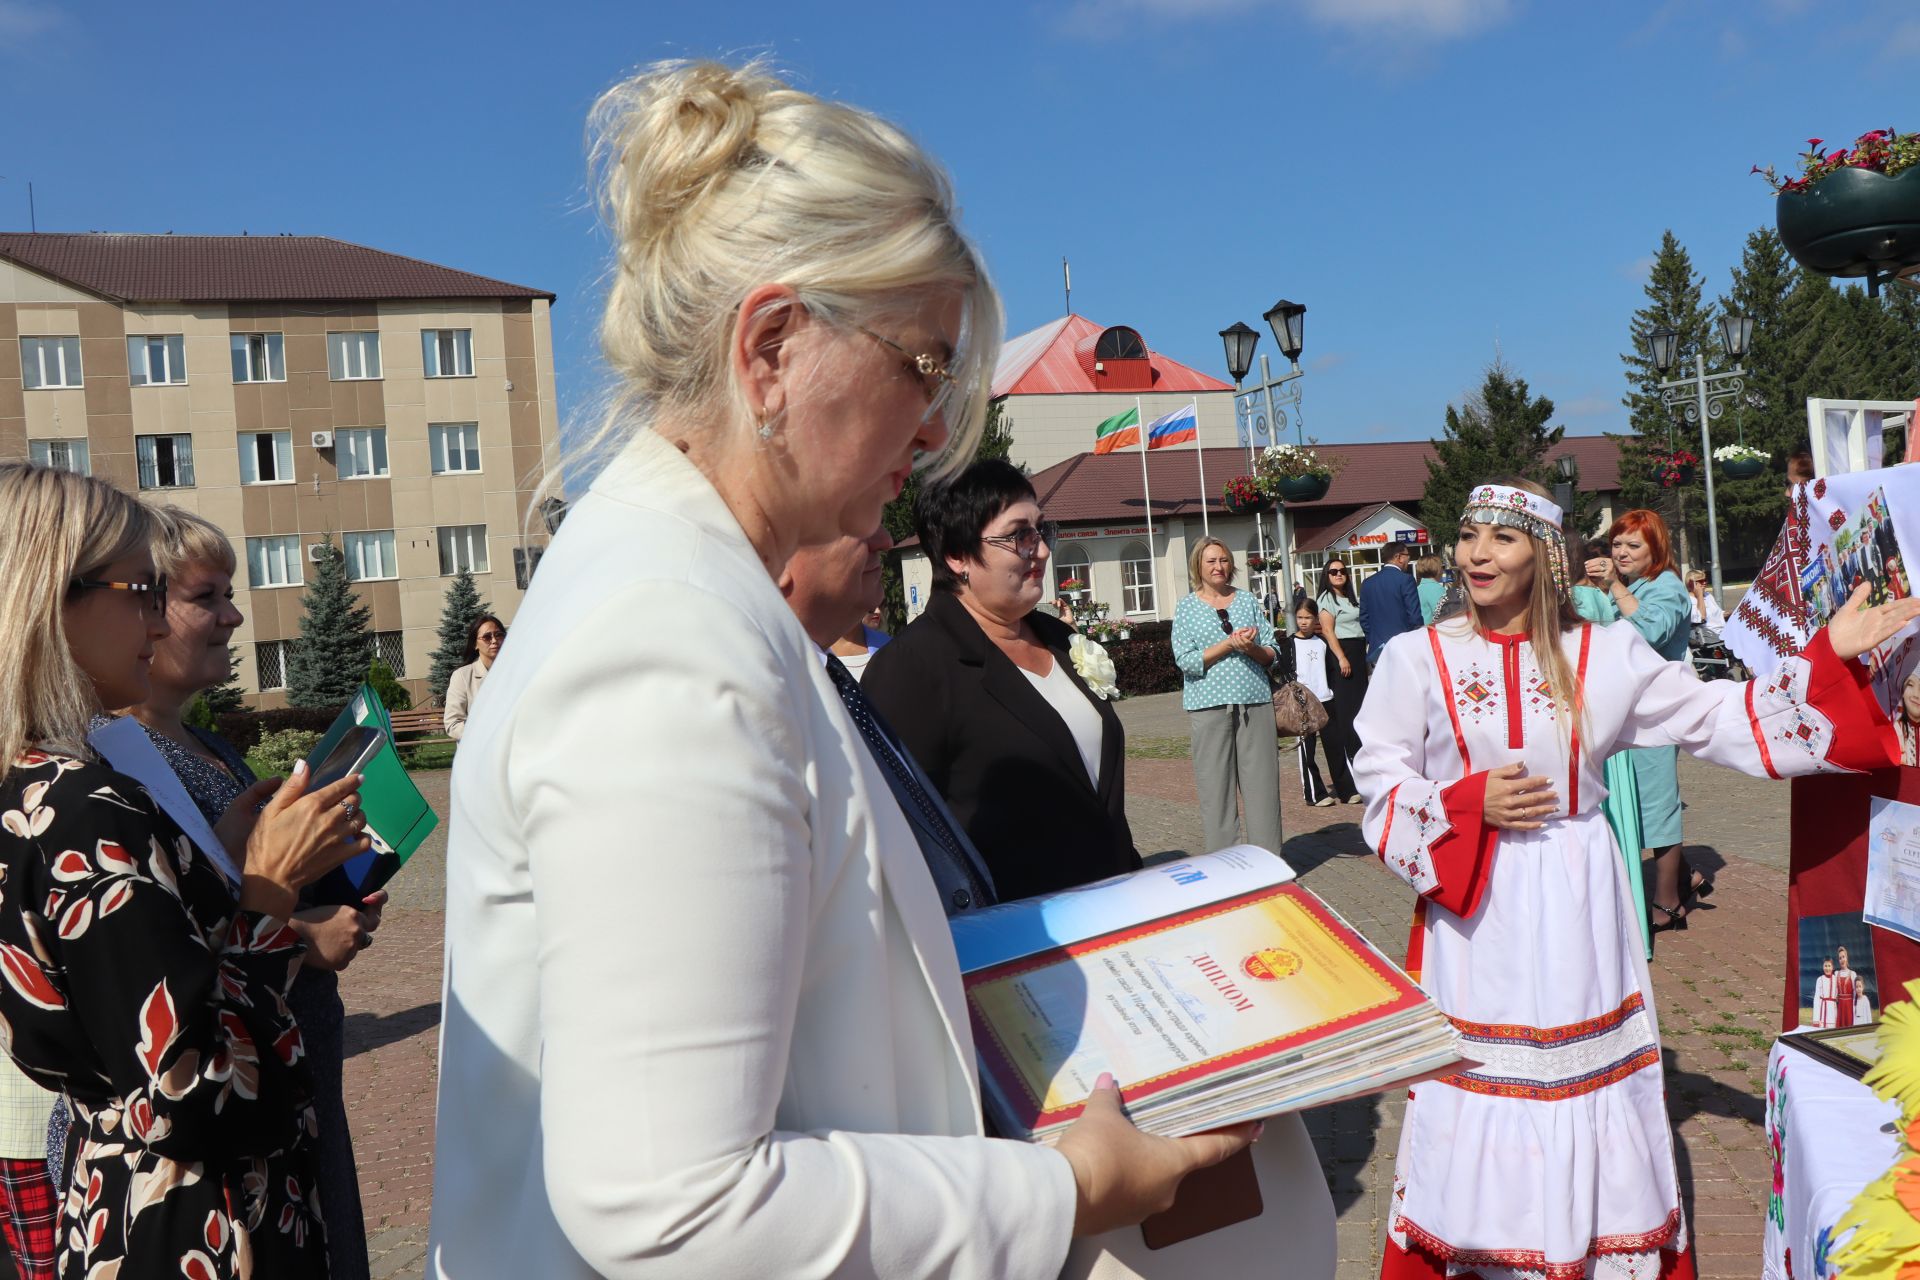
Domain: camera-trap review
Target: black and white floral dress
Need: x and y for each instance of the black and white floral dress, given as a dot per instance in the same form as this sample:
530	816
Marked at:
129	982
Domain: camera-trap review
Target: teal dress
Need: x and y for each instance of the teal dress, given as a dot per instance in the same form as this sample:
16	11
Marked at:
1622	805
1662	619
1432	592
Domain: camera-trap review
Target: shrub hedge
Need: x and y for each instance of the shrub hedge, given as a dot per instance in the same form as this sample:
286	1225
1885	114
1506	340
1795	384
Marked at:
244	729
1143	663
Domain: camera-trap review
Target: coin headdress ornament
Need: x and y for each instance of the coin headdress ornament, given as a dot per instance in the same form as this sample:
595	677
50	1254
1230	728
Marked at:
1518	509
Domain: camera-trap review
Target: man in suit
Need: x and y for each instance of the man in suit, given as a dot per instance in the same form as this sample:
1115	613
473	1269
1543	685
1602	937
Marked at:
830	587
1390	601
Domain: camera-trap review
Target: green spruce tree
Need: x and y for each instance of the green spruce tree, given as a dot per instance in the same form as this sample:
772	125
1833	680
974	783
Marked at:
462	607
1501	430
1766	415
996	441
330	659
1673	293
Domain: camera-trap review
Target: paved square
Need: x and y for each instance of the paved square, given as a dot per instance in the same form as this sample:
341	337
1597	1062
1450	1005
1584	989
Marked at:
1717	987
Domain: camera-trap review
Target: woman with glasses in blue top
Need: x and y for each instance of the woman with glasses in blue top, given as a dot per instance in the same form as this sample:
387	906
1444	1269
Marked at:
1223	645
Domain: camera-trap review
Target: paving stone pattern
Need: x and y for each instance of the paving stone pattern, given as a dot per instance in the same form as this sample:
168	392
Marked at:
1717	988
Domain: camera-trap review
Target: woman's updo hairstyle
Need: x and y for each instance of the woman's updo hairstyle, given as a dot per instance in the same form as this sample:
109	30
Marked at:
715	180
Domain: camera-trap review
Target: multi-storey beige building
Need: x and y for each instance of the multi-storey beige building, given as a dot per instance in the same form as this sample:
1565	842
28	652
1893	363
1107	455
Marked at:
293	389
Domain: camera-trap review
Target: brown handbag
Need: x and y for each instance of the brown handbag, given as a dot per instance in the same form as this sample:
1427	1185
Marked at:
1296	712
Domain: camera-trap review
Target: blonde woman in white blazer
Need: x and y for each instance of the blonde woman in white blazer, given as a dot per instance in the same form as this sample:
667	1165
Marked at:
702	1015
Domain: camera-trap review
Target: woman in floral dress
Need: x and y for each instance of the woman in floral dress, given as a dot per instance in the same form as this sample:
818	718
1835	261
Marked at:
129	980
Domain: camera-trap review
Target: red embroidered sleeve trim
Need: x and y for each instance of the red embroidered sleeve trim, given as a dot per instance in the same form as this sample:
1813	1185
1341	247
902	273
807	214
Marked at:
1580	691
1463	857
1863	737
1759	734
1446	696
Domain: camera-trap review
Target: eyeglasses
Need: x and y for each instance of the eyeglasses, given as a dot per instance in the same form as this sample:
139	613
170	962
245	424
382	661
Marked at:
155	591
1226	623
936	380
492	637
1336	573
1025	542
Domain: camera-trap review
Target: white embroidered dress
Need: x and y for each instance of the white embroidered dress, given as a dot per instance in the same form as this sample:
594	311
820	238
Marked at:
1554	1157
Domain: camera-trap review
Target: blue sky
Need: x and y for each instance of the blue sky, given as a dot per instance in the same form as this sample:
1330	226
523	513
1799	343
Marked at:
1435	179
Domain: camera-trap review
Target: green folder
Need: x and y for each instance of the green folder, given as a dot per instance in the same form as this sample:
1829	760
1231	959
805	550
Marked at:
398	816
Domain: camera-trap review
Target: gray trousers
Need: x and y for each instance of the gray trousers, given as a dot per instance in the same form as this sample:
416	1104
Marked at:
1236	750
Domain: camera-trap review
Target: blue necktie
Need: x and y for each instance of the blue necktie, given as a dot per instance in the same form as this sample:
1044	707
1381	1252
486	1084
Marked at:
940	844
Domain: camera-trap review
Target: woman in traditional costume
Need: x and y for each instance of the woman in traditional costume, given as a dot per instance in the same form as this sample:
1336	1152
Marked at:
1482	742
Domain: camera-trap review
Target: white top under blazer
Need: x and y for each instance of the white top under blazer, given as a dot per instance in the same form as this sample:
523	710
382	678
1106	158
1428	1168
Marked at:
702	1013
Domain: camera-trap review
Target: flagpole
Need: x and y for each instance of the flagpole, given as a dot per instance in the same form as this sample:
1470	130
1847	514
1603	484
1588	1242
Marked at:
1199	456
1146	490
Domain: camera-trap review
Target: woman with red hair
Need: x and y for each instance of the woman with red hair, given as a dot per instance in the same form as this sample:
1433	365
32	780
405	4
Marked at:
1640	579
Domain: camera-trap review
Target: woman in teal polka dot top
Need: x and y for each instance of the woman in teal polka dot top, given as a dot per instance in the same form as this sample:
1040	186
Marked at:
1223	645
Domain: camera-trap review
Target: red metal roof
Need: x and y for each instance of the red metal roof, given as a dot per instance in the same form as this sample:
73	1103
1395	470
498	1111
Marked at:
169	268
1049	361
1097	487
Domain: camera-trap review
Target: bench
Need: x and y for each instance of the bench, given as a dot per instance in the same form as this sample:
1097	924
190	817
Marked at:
422	728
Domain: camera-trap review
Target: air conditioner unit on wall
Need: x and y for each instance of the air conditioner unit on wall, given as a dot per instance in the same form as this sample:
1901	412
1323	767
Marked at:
316	551
323	439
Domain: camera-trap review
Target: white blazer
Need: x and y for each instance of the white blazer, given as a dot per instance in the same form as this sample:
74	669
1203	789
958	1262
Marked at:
702	1014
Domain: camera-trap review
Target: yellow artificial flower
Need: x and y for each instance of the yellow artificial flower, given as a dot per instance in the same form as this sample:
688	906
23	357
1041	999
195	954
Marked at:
1885	1219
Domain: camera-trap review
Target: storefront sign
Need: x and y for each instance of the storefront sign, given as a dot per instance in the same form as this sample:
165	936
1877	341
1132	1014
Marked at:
1416	536
1365	539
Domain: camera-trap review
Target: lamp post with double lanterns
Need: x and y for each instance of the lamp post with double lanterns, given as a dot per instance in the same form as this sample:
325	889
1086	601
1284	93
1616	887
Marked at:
1702	397
1288	322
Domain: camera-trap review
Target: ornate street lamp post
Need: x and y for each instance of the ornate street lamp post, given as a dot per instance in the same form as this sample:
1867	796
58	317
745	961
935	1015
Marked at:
1288	322
1702	397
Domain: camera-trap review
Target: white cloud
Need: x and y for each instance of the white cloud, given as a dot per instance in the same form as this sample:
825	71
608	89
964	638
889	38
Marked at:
1636	271
21	21
1401	21
1331	360
1439	19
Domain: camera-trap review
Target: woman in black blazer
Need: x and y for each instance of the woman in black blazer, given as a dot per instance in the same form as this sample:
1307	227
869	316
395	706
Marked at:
982	690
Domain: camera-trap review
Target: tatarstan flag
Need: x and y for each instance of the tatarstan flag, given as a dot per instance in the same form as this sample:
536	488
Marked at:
1117	432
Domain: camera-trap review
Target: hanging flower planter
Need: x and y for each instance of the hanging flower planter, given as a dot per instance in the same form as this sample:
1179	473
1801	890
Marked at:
1740	461
1856	211
1673	470
1303	488
1242	497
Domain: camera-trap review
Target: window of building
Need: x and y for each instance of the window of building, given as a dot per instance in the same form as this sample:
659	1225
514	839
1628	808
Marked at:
270	662
156	360
64	455
275	561
370	556
1136	579
1120	343
454	447
447	353
266	457
389	647
360	452
259	357
1070	566
353	357
463	547
47	363
164	462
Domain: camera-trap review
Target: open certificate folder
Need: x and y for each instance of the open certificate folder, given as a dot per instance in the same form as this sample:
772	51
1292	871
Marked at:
1213	989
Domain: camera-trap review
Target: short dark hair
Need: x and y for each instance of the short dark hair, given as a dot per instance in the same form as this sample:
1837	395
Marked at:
951	517
473	634
1397	549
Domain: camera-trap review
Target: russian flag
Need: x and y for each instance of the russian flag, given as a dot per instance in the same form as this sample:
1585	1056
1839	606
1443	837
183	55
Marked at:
1178	427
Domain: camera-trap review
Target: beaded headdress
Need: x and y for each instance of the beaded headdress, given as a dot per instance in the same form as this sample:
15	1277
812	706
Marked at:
1529	512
